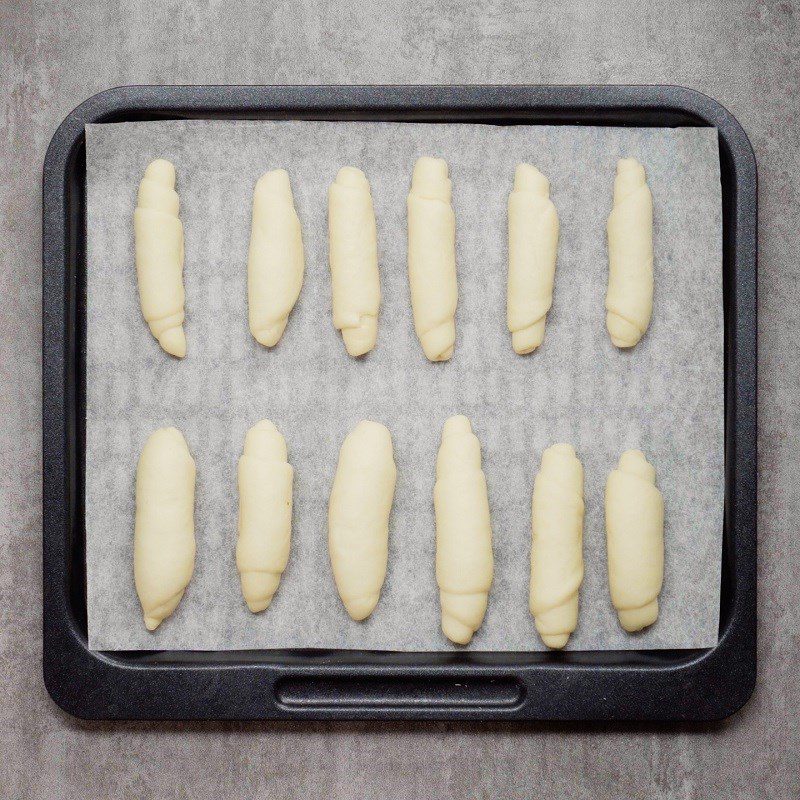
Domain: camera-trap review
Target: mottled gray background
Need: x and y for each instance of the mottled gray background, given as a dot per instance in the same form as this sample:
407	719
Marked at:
53	55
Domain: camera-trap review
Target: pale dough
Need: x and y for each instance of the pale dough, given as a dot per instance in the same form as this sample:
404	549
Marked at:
159	256
635	540
265	514
275	263
532	246
353	243
557	544
358	516
432	258
629	301
163	545
464	561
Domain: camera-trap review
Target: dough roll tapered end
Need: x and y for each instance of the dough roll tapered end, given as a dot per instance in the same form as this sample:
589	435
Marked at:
635	540
159	256
464	560
265	514
432	258
557	544
358	516
276	262
532	244
353	244
360	338
629	300
164	545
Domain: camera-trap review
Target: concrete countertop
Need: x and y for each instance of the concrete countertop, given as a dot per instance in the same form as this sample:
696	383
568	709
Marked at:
55	54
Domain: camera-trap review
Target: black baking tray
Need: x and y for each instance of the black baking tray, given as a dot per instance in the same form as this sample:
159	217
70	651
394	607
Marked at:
326	684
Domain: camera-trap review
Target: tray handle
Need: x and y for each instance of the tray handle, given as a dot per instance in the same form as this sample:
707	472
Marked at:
339	692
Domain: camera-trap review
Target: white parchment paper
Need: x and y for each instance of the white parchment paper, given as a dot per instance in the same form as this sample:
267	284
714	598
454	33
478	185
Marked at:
665	396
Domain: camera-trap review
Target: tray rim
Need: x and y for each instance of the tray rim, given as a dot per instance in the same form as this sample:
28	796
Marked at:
705	685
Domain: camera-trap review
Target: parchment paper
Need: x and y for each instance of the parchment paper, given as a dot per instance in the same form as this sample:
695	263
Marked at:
665	396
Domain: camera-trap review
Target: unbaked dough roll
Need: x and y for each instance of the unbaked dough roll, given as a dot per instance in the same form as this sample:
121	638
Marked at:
358	516
532	245
353	242
557	544
432	258
159	256
275	263
464	561
265	514
629	301
163	545
635	540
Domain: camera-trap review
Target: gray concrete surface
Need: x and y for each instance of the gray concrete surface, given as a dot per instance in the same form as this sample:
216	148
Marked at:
55	54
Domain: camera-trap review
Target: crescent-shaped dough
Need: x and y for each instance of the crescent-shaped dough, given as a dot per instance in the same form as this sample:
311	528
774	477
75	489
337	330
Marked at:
353	242
159	256
265	514
358	516
275	263
432	258
635	540
163	545
532	246
557	544
464	560
629	301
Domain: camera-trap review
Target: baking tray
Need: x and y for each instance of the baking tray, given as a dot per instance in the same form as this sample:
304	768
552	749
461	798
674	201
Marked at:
667	685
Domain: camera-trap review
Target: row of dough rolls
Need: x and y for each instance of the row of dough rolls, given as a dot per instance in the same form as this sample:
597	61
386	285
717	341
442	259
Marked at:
358	528
634	516
276	260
